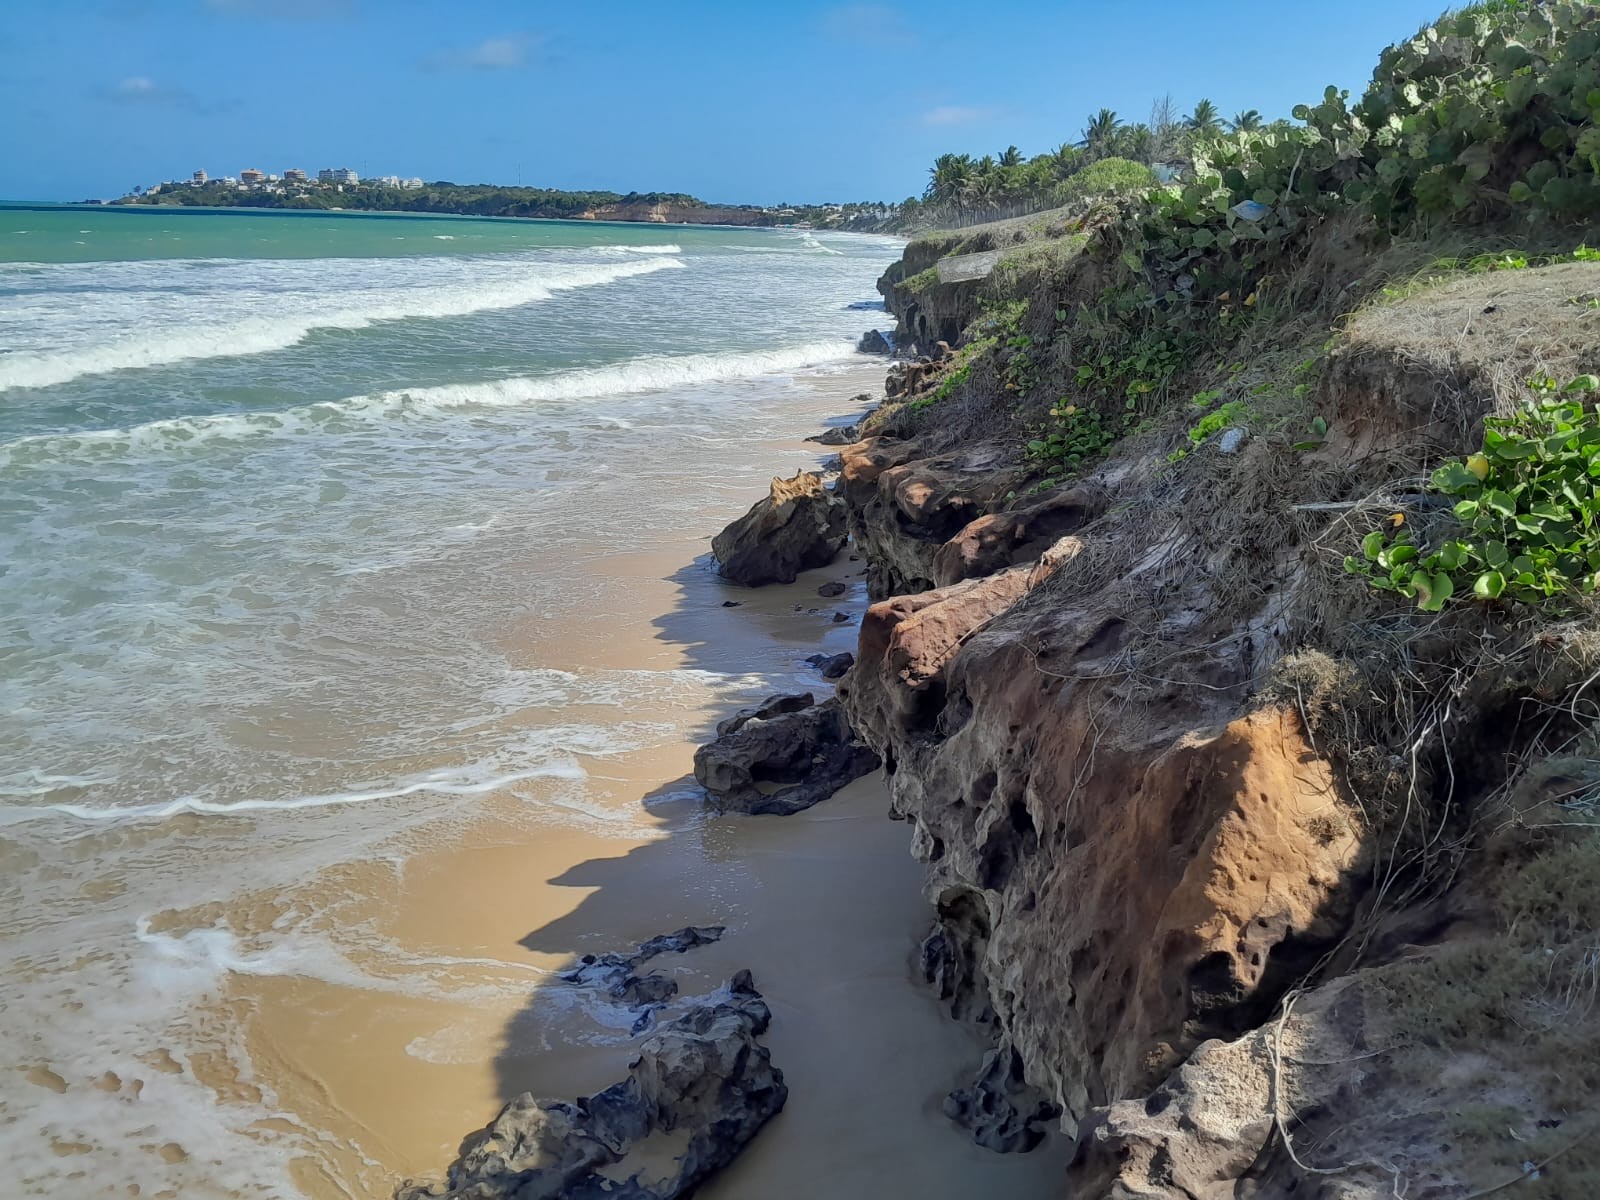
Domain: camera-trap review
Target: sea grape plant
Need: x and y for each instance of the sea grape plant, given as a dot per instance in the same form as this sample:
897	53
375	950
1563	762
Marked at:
1492	111
1527	513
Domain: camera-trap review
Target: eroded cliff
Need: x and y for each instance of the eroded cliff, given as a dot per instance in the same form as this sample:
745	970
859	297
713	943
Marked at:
1214	831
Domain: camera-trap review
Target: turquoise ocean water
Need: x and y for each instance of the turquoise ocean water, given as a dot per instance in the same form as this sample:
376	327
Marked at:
267	484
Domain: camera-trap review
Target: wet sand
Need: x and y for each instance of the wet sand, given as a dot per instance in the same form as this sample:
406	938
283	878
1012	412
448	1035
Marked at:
823	907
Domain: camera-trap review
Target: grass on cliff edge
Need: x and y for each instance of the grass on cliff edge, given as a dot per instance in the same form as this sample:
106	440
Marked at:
1518	1007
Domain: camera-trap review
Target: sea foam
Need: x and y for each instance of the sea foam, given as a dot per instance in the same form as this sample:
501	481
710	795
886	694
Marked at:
440	783
248	335
650	373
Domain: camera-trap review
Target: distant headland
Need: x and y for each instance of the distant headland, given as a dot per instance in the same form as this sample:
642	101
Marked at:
342	188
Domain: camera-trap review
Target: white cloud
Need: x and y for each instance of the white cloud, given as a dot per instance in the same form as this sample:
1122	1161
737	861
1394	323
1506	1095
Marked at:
873	24
956	114
508	53
142	90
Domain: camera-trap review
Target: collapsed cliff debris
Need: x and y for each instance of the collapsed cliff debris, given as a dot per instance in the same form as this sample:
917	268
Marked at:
800	524
908	378
699	1088
832	666
781	757
837	435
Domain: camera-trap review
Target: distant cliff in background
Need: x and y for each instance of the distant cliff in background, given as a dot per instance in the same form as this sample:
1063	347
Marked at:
488	200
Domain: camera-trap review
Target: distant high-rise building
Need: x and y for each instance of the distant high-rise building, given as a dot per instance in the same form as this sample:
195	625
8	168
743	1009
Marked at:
199	176
337	175
294	175
251	175
412	183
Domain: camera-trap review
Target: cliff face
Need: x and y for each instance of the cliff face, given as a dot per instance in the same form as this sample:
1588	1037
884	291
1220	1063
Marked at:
1171	857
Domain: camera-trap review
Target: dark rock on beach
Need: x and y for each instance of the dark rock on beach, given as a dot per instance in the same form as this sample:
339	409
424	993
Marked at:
781	757
999	1108
617	974
798	525
698	1091
772	706
832	666
874	342
837	435
832	589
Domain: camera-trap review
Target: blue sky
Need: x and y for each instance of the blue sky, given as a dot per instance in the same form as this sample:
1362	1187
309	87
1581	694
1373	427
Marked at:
738	102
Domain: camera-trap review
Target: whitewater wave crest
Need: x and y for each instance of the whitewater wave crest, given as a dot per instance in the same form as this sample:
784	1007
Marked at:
439	783
664	248
648	374
260	335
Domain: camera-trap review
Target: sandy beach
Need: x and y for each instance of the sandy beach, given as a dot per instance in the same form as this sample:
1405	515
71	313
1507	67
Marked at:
456	1004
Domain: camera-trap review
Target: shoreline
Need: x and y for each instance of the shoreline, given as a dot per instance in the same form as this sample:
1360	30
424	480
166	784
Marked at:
868	1049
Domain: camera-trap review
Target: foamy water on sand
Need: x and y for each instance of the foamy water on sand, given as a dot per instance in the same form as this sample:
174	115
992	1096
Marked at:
346	611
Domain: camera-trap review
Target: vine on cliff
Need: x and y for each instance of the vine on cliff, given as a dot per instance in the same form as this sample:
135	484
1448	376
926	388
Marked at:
1528	510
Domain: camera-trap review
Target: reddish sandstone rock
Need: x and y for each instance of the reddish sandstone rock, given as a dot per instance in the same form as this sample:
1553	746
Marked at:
1000	540
904	508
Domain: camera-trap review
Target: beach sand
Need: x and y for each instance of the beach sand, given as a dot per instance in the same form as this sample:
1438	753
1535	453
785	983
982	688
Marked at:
823	907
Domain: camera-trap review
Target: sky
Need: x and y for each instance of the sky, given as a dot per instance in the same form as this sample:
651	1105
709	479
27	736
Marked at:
734	102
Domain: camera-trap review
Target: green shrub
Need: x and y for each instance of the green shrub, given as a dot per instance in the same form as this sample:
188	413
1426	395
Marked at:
1079	435
1493	112
1108	176
1528	513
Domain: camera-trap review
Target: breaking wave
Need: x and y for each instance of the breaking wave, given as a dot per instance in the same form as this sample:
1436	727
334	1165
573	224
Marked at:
647	374
260	335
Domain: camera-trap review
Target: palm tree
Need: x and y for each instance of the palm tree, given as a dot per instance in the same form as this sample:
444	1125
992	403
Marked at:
984	188
1246	122
1204	119
1098	133
1065	160
948	178
1134	142
1011	157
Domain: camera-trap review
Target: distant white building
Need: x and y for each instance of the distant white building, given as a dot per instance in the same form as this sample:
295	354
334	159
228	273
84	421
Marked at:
412	183
337	175
386	180
251	175
199	176
294	175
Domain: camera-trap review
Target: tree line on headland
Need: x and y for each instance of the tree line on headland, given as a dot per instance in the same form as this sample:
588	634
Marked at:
1110	155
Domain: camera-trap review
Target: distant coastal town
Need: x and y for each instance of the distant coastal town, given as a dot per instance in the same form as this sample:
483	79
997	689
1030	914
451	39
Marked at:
292	180
340	188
